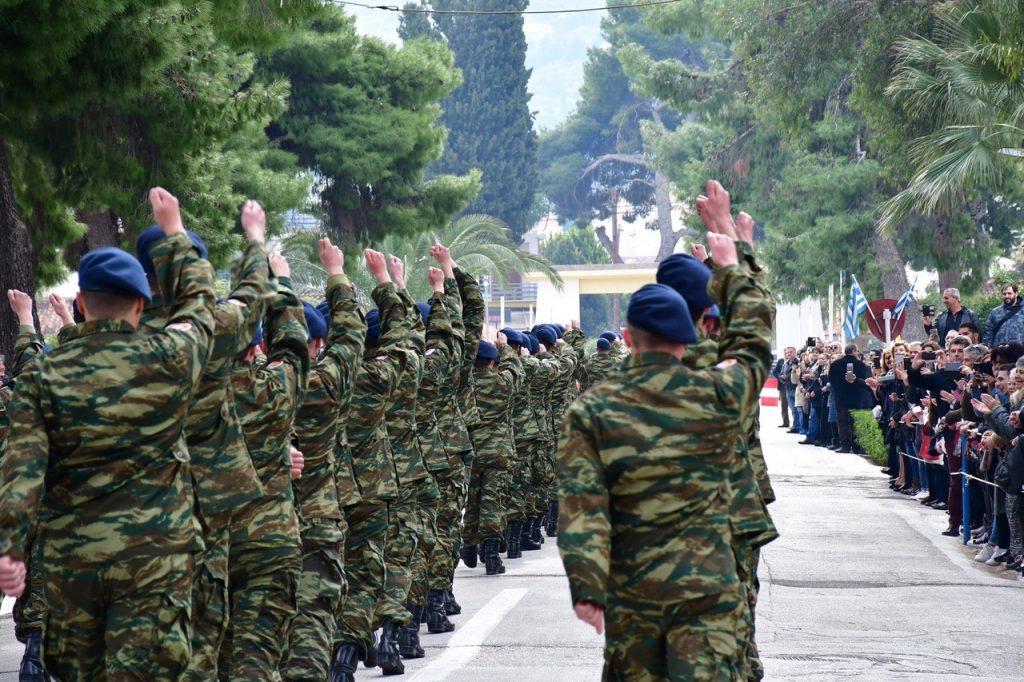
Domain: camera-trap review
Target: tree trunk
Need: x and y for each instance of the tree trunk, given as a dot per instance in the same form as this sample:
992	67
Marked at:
342	226
894	282
18	271
950	278
663	200
102	230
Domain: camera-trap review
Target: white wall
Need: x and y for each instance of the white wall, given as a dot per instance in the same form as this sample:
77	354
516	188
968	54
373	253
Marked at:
795	322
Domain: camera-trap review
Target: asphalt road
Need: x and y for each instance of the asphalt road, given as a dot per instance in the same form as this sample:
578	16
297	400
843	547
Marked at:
860	586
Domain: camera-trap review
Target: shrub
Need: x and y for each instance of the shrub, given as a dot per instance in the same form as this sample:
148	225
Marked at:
869	436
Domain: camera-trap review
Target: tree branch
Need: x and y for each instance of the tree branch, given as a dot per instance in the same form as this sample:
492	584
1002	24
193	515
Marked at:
635	159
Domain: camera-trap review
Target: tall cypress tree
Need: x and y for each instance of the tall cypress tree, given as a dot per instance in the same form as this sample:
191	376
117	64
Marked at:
490	126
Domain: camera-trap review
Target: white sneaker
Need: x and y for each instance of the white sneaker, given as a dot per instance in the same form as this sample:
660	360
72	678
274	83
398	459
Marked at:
986	553
921	495
994	559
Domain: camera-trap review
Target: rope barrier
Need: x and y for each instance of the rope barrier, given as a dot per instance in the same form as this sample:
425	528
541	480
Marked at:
951	473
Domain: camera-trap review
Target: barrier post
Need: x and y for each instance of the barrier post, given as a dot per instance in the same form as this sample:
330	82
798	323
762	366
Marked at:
965	491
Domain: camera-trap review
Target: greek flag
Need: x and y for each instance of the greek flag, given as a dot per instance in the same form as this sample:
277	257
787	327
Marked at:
904	301
858	304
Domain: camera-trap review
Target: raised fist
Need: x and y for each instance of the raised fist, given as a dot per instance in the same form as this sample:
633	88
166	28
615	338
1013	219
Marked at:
723	250
166	212
699	252
279	265
745	228
60	307
397	269
332	258
376	265
254	221
21	304
436	279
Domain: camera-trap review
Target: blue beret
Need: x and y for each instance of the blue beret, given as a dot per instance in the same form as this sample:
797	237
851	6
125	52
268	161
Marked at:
604	344
113	270
152	235
316	325
530	341
324	308
559	329
545	335
258	339
514	337
660	310
610	336
372	328
714	312
689	277
486	352
424	310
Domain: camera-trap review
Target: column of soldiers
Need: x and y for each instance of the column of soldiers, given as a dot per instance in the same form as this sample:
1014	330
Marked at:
251	487
664	490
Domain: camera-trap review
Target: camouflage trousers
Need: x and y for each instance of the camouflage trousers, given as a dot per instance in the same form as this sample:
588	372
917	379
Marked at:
427	506
321	586
692	640
364	571
119	620
210	597
747	562
452	486
485	502
30	609
545	487
404	532
520	484
266	559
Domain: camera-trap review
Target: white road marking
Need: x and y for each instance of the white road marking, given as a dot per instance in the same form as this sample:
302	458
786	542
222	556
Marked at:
465	643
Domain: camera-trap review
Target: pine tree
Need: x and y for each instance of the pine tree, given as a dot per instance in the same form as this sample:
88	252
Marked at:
488	118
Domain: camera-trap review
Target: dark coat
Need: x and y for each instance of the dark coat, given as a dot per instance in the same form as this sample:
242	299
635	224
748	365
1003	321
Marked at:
849	396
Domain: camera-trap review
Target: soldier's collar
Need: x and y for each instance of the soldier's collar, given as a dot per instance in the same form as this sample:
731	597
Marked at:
652	358
97	327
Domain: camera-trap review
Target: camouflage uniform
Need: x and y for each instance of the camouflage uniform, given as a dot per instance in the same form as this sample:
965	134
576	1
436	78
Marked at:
405	525
223	476
531	437
599	364
493	447
558	400
376	380
100	420
645	522
266	554
321	523
541	462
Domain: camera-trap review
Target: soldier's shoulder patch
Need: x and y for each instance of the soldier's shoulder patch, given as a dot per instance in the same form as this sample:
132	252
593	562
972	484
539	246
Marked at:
726	364
180	326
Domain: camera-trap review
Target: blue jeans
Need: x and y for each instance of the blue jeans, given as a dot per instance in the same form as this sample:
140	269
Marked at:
814	422
798	421
791	397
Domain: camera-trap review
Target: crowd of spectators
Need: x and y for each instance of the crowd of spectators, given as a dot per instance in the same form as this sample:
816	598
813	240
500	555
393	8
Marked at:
949	410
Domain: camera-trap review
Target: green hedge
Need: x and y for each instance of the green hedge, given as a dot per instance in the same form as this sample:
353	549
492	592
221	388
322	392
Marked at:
869	436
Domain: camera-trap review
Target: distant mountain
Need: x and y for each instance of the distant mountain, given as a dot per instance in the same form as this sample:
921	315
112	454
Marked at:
557	50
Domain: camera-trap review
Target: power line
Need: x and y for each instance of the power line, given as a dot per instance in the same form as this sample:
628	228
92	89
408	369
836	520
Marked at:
425	10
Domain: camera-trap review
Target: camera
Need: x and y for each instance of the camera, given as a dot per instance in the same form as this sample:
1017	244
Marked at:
928	310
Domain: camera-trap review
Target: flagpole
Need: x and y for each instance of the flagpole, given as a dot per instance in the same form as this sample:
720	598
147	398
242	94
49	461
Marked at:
842	327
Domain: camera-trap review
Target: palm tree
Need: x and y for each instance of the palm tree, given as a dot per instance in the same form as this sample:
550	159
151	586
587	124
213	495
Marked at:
478	243
970	78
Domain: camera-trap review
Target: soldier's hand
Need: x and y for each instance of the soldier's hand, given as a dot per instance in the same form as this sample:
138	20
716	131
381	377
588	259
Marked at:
397	269
60	307
723	250
298	462
745	228
376	265
279	265
332	258
541	348
524	351
21	304
500	339
254	221
574	324
166	212
443	256
699	252
719	210
591	614
701	208
12	576
436	279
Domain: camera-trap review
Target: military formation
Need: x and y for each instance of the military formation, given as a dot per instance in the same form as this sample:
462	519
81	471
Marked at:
256	487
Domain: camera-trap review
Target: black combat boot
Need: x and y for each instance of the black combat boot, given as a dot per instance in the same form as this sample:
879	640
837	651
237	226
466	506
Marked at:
370	660
437	619
526	542
514	529
468	554
409	637
491	559
31	664
451	607
344	662
552	525
388	658
535	527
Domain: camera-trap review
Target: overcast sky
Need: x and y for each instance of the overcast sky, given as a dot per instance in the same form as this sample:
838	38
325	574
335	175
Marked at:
556	49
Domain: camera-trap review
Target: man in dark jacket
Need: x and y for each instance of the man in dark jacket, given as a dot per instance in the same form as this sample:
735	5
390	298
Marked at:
778	371
951	318
847	376
1005	323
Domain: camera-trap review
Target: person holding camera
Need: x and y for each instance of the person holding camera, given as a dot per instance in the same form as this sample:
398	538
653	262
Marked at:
846	377
950	319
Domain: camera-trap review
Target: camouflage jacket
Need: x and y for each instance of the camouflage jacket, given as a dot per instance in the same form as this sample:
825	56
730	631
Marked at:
528	415
541	386
560	386
268	391
451	423
400	418
492	435
330	384
473	308
222	472
438	362
97	453
376	380
644	503
599	365
575	339
28	347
